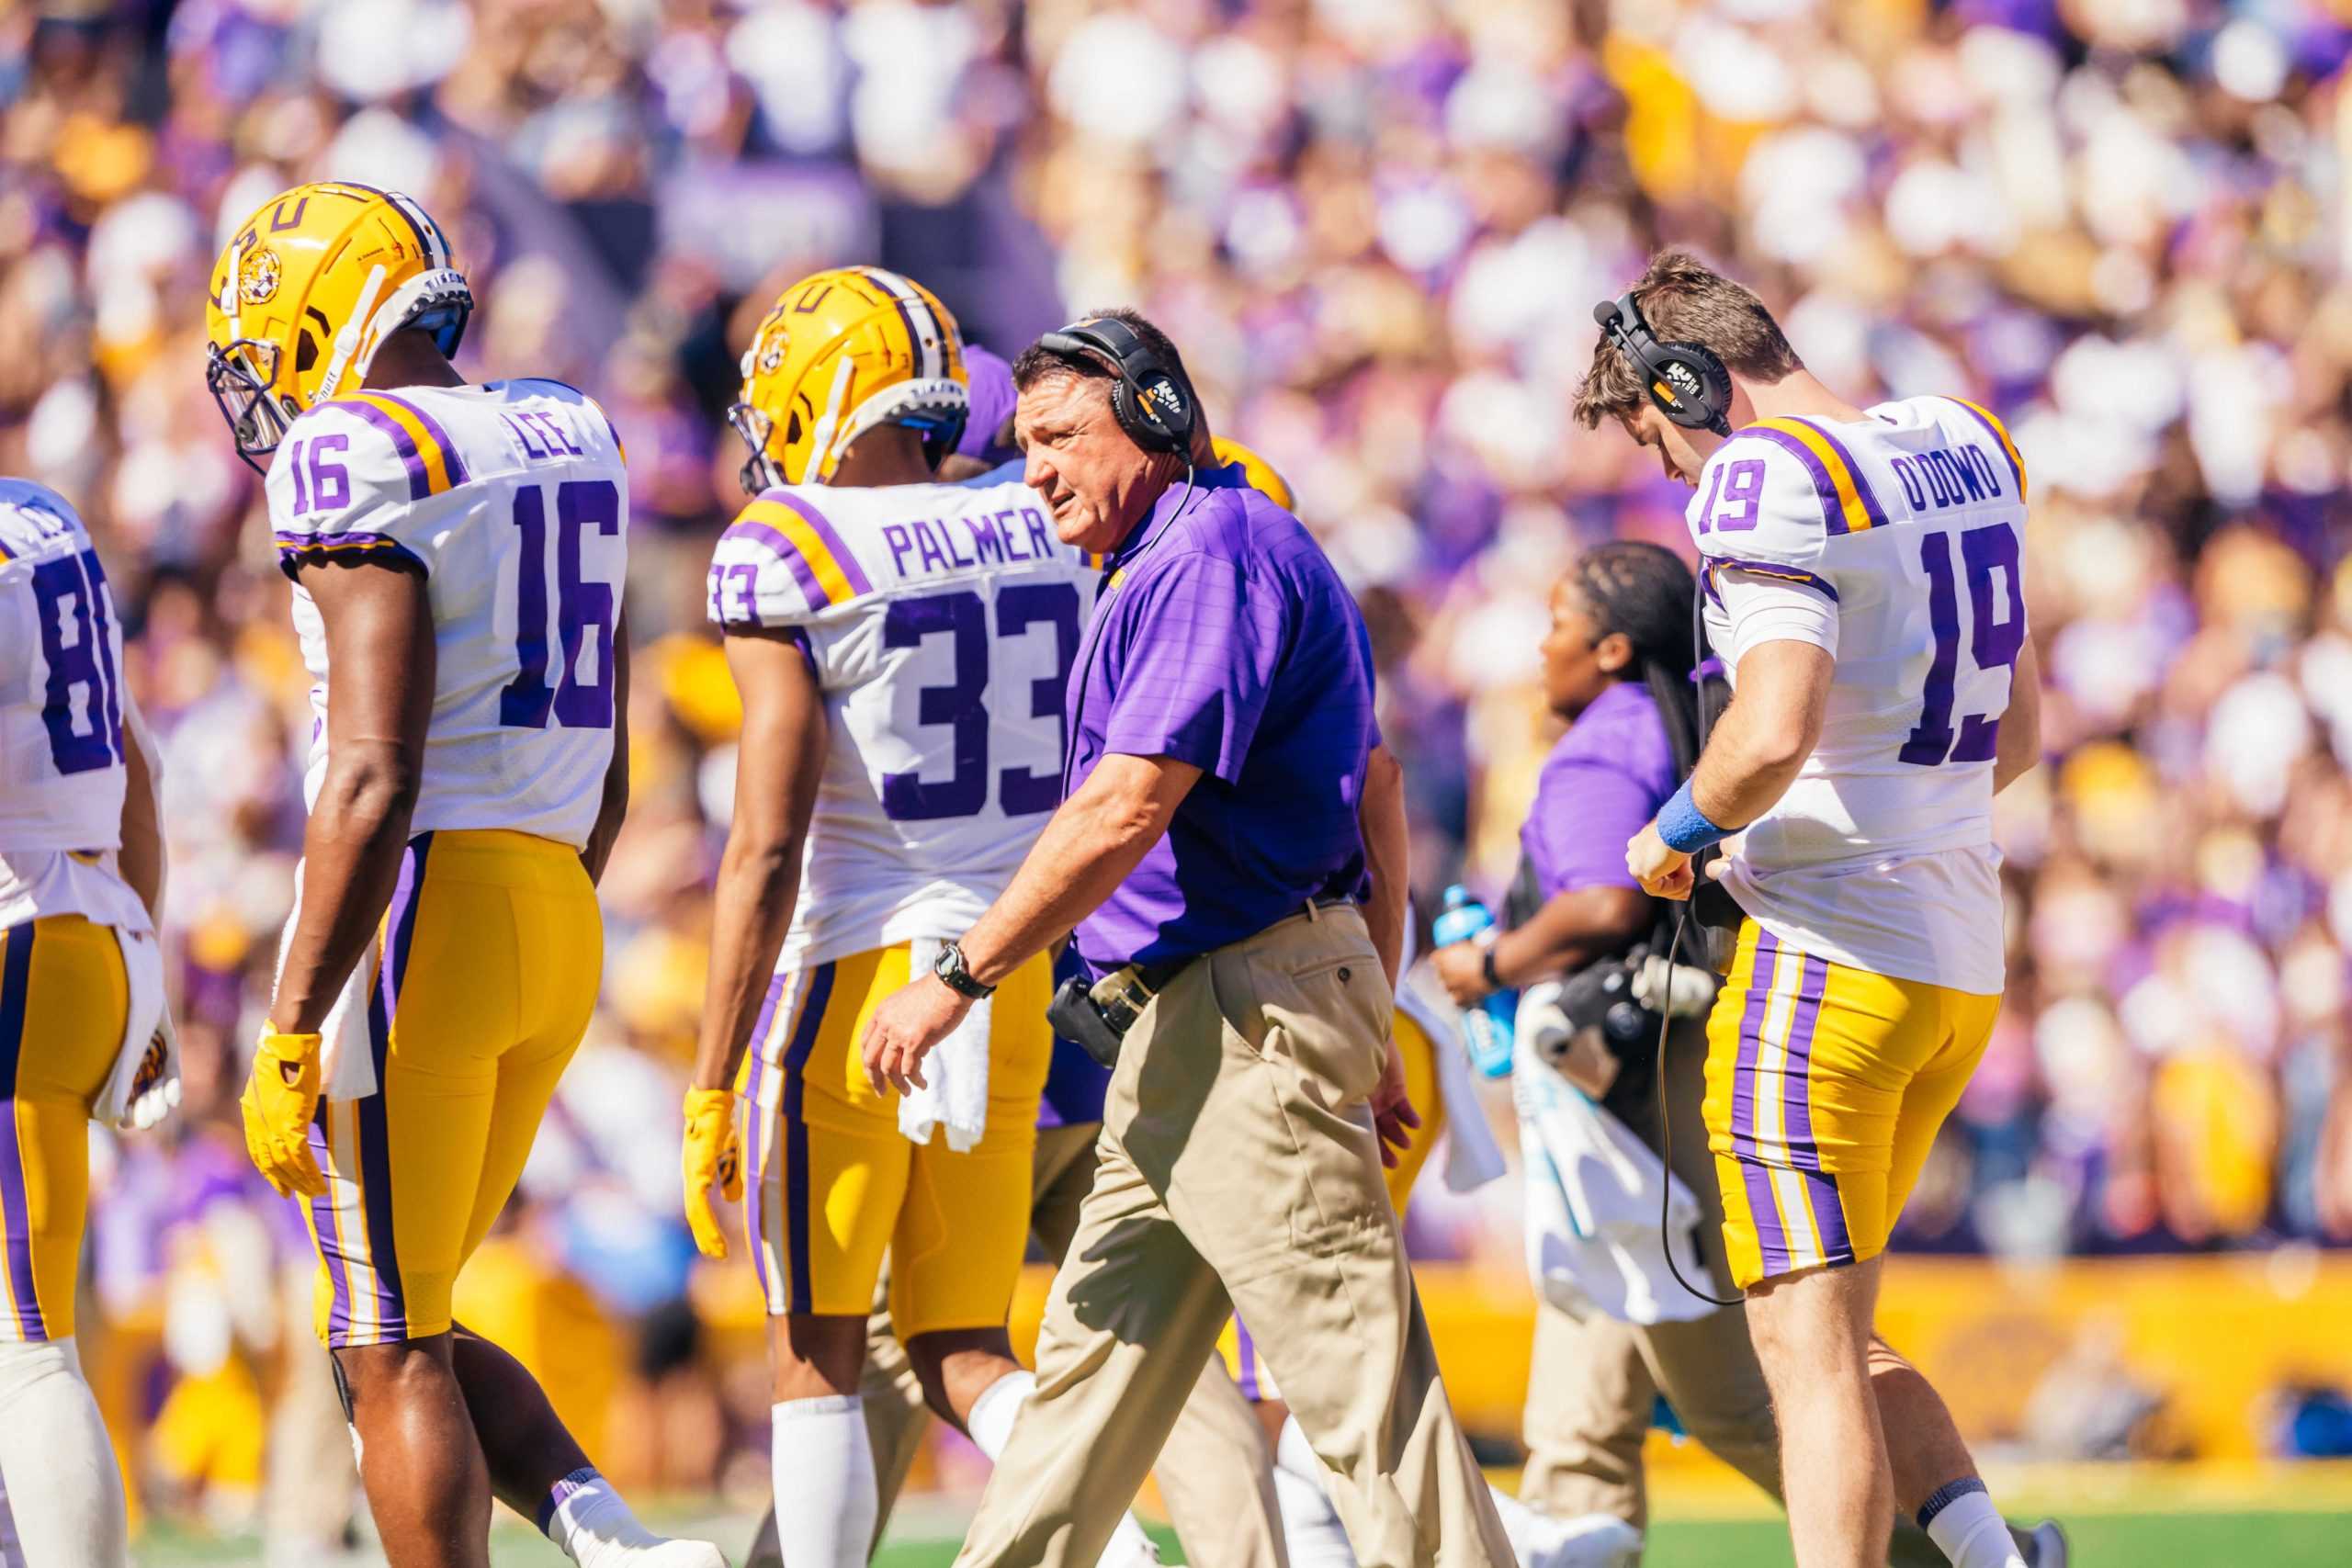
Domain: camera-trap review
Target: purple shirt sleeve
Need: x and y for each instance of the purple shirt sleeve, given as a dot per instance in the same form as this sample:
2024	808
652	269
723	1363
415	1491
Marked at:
1606	777
1585	811
1200	658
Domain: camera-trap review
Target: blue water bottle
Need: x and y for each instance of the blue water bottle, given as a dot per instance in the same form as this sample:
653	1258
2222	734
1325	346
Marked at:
1488	1025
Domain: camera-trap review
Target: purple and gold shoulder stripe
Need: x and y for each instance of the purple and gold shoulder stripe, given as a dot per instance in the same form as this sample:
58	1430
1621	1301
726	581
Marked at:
1846	504
1775	569
296	549
432	459
2000	432
798	534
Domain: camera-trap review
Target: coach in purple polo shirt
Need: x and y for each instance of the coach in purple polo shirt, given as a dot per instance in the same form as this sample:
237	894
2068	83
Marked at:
1233	832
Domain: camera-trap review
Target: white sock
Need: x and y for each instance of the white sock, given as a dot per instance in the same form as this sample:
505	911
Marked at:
1961	1519
1311	1534
989	1425
63	1488
1523	1526
826	1497
990	1422
592	1522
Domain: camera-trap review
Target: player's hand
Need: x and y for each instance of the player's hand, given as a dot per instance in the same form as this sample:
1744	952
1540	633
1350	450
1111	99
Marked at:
1393	1116
911	1020
713	1157
1461	970
155	1086
1663	872
280	1099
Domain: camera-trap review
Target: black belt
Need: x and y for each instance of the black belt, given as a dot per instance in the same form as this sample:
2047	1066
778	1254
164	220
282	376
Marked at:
1099	1015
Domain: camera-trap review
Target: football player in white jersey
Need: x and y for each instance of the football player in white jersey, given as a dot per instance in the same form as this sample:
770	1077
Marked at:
457	554
1864	584
901	646
81	999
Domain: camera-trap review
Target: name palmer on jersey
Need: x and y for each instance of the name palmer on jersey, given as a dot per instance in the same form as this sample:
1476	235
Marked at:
940	621
511	499
62	759
1895	543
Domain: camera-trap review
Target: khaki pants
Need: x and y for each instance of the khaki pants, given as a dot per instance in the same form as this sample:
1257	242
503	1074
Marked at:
1594	1381
1213	1472
1238	1168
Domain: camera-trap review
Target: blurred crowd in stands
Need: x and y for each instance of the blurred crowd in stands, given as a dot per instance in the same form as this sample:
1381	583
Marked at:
1376	228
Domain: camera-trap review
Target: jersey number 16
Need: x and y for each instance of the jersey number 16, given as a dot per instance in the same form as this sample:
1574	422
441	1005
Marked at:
581	608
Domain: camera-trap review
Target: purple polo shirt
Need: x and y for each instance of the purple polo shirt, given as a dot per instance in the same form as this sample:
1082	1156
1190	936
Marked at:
1225	638
1605	778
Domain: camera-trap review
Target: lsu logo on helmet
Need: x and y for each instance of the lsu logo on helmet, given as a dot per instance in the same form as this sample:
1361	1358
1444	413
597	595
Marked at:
306	293
840	353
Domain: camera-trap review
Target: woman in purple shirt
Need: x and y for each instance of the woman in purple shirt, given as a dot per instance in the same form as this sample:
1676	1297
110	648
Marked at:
1617	667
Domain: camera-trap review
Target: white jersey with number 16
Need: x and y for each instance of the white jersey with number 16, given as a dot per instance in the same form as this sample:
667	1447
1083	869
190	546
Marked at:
1895	543
511	500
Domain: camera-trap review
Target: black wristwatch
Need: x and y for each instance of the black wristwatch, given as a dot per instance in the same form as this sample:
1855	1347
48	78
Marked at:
950	968
1487	969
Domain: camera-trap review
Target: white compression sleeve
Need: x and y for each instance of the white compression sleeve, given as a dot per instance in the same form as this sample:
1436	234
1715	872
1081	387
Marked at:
826	1497
63	1487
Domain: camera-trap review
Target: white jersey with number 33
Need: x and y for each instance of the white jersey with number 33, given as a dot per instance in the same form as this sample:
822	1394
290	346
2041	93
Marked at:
940	621
1895	543
61	775
511	500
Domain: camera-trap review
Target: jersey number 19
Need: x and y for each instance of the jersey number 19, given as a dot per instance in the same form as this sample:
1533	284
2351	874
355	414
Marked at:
1997	633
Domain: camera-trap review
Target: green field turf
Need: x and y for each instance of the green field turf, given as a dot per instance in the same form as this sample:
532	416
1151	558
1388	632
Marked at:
2112	1540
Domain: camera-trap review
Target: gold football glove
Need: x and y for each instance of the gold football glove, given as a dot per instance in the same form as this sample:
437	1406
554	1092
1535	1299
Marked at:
713	1157
280	1101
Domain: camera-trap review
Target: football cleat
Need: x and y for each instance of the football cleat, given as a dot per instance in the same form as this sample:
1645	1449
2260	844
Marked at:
2050	1547
308	290
840	353
1588	1540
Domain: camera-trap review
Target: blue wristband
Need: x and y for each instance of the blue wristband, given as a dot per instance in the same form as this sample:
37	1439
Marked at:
1686	828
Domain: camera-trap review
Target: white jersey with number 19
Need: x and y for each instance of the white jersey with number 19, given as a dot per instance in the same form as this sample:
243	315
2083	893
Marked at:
511	498
1895	543
940	621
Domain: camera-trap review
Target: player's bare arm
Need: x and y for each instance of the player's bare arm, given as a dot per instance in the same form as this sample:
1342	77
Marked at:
378	627
1093	840
141	857
612	806
779	763
379	640
2019	746
1755	754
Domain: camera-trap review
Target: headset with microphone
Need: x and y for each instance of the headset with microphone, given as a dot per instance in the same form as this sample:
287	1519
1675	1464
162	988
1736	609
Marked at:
1687	381
1151	397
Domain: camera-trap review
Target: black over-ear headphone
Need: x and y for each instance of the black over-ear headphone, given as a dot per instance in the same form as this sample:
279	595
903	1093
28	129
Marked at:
1687	382
1152	400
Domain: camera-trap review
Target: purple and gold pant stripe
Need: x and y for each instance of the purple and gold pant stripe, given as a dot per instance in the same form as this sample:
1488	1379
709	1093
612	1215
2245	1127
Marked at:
352	1222
784	1080
1800	1219
16	984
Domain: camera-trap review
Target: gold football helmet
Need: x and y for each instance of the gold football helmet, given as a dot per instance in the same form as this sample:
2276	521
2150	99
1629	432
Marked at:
308	290
842	352
1263	476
